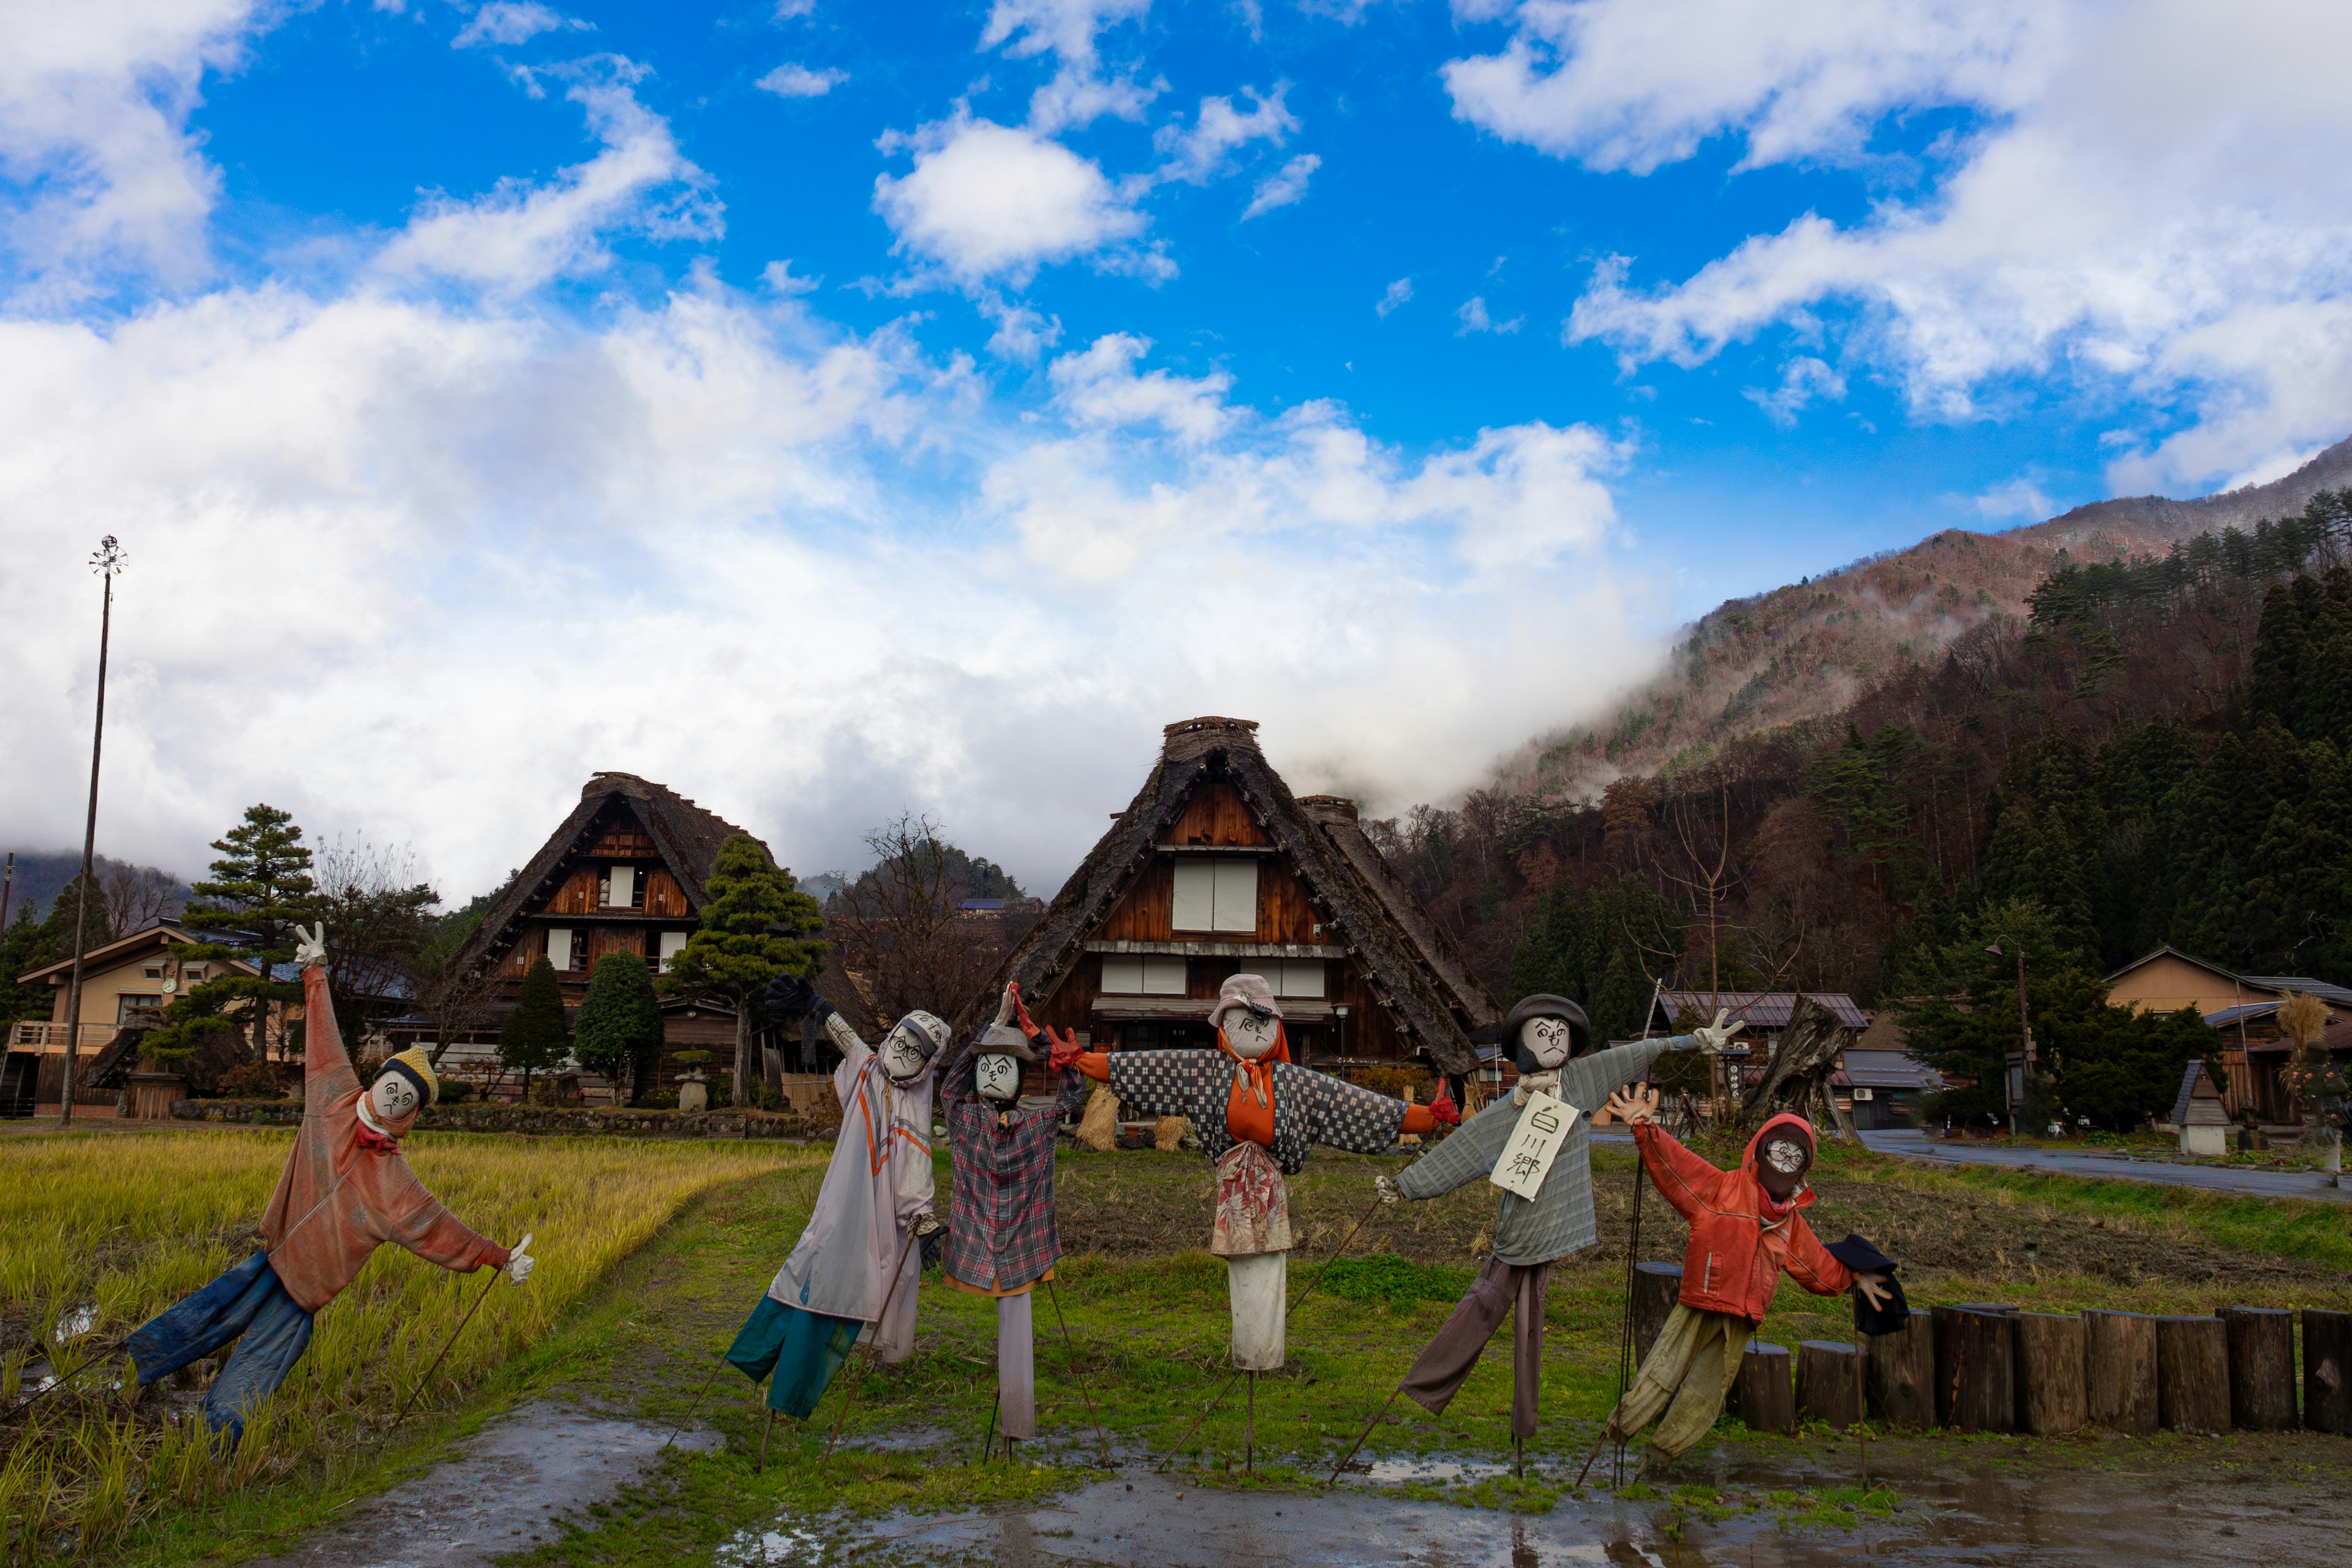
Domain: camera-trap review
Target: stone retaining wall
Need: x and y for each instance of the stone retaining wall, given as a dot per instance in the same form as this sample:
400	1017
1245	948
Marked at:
526	1119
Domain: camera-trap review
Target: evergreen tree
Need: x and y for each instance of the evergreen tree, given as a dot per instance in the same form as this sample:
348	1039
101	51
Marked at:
532	1040
758	926
261	888
1597	948
620	1030
29	945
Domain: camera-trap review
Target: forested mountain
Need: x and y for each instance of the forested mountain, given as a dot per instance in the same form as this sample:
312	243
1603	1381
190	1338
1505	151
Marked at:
2151	747
1807	652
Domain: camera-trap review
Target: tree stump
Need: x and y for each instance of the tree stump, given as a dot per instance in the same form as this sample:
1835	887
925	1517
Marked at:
2327	1371
2119	1364
1901	1379
2262	1368
1657	1286
1766	1401
1829	1383
2052	1396
2192	1375
1975	1360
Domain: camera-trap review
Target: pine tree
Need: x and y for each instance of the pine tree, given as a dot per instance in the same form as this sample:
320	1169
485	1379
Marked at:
532	1040
620	1029
28	946
758	926
261	888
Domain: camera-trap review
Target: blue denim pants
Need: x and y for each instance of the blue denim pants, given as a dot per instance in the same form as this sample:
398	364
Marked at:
248	1304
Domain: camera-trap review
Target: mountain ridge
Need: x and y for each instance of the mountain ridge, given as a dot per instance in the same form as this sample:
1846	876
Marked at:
1800	654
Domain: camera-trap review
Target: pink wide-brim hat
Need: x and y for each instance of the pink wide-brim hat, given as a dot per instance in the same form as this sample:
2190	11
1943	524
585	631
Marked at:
1243	991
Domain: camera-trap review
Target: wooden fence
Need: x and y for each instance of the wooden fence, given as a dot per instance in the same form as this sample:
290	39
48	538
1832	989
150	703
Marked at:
1981	1366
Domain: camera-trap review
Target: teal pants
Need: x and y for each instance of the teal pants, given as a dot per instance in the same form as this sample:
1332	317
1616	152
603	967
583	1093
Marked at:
803	1349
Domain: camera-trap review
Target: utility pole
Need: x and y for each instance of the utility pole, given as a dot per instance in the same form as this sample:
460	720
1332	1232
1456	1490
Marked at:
107	563
2024	1033
7	883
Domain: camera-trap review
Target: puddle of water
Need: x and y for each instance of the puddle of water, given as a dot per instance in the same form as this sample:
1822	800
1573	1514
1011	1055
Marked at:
775	1549
1409	1472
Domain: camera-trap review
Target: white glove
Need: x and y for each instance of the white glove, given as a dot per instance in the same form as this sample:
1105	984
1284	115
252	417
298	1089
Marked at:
1385	1184
312	948
1713	1037
1005	1004
520	1262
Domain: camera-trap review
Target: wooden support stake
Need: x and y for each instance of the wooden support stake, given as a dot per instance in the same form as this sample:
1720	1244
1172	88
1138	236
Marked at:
1827	1387
2326	1370
1763	1394
2192	1375
1902	1377
1976	1380
2119	1363
2052	1396
1350	1456
2262	1368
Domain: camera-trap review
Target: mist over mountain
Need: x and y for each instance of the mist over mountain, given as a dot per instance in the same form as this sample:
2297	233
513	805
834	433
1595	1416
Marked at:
1804	653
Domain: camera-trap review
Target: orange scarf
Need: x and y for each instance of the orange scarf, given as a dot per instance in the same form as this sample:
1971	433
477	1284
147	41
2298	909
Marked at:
1249	1107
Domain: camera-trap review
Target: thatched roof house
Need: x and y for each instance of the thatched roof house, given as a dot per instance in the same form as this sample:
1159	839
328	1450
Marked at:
1217	868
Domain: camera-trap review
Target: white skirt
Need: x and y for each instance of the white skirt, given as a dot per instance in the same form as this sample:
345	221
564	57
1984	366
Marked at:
1259	1286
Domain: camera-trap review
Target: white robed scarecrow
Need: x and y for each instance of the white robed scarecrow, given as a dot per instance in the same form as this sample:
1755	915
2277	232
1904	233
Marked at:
848	1275
1257	1114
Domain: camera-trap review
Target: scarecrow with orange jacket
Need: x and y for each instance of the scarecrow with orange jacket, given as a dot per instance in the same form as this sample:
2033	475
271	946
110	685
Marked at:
1746	1230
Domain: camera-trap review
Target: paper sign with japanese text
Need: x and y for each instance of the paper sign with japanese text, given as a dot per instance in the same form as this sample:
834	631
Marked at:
1527	1159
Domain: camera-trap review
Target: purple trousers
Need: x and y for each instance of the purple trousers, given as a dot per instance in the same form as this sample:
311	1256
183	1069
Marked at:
1501	1290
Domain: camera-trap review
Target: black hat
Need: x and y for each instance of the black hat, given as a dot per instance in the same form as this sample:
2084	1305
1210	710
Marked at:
1864	1258
1543	1005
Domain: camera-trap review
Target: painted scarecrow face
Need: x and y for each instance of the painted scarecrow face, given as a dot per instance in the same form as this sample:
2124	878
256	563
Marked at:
1781	1165
907	1049
1547	1040
392	1099
1250	1034
999	1076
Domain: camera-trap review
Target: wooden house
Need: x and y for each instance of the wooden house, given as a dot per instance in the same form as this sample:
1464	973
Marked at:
2244	1008
1217	868
625	872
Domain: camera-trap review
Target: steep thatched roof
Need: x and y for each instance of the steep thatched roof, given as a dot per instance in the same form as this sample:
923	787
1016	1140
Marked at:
687	837
1411	970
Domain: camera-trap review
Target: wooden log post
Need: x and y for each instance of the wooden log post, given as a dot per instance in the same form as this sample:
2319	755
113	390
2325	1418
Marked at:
2327	1371
1827	1388
1657	1286
1902	1377
2262	1368
1975	1360
2119	1364
2192	1375
1764	1398
2052	1396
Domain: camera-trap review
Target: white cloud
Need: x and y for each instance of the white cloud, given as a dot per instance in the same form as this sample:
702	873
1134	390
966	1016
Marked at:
1219	130
799	81
777	276
102	181
2020	498
514	22
1022	333
1283	186
1400	292
1802	379
1472	317
1079	92
2114	222
988	201
1099	386
520	236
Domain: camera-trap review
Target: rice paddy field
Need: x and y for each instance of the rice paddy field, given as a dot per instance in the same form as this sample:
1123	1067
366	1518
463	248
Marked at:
104	1230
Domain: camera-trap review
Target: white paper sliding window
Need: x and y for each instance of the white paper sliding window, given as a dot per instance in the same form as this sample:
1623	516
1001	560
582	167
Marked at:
672	942
621	893
1300	978
1136	975
1216	894
559	946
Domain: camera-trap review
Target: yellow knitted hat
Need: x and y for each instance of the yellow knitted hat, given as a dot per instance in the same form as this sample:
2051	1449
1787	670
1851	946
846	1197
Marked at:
418	1068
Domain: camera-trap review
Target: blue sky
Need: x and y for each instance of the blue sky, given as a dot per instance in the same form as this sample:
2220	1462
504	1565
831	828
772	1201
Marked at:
832	412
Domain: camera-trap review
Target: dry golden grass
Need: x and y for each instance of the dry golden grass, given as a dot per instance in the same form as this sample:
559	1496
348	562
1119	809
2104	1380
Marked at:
104	1231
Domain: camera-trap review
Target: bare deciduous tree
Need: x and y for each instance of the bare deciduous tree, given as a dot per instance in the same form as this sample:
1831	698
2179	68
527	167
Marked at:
902	934
136	896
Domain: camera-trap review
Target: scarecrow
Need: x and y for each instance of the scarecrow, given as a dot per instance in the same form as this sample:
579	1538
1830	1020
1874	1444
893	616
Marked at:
345	1190
1533	1145
1745	1233
1256	1113
1001	1236
873	1208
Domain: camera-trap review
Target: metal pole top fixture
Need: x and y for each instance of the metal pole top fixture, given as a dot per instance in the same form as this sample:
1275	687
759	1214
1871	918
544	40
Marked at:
110	558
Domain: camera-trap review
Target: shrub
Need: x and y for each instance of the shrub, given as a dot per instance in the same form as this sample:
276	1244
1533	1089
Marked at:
259	1080
1393	1081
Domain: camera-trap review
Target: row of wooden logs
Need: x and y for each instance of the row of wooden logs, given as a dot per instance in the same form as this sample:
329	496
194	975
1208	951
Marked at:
1982	1368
